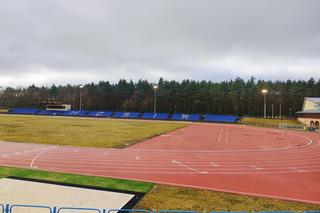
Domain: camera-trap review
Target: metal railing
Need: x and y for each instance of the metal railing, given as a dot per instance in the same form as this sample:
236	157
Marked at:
8	208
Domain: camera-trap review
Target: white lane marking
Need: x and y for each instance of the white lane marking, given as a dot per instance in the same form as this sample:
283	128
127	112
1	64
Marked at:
254	167
188	167
38	155
214	164
166	135
17	153
296	169
137	155
219	139
227	135
4	155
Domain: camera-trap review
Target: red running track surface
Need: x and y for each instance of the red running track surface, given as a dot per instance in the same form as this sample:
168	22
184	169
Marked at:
229	158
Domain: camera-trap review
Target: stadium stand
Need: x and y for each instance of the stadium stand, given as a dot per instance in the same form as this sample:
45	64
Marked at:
220	118
155	116
24	111
99	114
75	113
185	117
117	115
132	115
49	112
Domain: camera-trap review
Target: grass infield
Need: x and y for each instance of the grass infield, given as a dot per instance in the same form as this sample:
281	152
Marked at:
180	198
77	179
84	132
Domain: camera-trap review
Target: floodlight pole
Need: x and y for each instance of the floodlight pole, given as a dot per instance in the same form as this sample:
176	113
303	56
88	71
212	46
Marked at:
155	87
264	91
265	105
80	104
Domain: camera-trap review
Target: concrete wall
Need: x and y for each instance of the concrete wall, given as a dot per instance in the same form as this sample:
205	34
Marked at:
308	120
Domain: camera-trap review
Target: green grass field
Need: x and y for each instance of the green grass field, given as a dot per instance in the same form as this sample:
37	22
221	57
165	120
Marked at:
168	197
77	179
85	132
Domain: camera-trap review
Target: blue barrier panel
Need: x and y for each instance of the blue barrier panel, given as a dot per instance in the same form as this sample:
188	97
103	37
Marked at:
49	112
177	211
133	115
155	116
24	111
220	118
2	208
29	206
118	115
99	114
75	113
185	117
79	209
129	210
277	212
229	212
314	211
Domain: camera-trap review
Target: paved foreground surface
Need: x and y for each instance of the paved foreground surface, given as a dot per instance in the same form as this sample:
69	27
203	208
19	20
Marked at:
230	158
35	193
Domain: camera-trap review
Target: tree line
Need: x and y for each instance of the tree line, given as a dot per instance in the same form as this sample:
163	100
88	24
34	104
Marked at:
234	97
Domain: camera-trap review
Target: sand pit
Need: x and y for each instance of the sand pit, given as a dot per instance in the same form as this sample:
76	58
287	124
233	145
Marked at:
14	191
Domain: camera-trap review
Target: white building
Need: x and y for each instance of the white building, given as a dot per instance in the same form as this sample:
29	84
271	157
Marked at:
310	114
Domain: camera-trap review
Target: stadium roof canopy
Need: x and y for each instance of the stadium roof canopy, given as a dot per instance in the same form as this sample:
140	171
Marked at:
311	105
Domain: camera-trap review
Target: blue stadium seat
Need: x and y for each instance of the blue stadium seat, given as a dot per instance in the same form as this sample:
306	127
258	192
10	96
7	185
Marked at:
24	111
49	112
220	118
117	115
99	114
132	115
76	113
155	116
185	117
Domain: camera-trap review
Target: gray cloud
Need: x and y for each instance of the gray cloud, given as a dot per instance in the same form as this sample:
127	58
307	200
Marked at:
58	41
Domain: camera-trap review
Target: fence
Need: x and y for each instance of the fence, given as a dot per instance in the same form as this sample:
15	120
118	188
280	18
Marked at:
275	125
7	208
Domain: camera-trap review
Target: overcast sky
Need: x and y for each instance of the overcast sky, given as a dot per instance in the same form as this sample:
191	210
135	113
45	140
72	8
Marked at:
79	41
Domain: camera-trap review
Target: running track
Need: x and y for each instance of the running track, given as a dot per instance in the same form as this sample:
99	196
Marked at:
230	158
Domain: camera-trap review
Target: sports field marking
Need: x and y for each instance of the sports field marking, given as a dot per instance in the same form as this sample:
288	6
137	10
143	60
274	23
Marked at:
38	155
187	167
214	164
219	139
157	163
254	167
227	141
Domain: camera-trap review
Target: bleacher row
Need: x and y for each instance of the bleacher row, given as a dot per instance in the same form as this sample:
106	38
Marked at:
130	115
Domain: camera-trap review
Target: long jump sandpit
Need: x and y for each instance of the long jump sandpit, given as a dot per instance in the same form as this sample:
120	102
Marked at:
15	191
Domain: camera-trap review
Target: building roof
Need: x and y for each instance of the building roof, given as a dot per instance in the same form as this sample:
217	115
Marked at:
311	104
313	99
309	112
